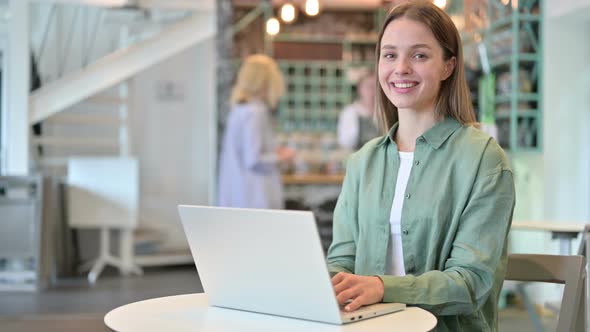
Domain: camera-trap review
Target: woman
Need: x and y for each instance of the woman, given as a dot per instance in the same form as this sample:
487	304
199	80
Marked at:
356	123
424	212
249	175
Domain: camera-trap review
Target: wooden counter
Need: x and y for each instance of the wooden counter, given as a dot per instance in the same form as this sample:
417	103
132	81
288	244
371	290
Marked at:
313	179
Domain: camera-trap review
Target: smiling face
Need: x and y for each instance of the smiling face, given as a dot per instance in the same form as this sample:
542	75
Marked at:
411	66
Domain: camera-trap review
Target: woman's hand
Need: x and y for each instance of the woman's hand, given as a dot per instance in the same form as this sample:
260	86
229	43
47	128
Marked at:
359	290
285	155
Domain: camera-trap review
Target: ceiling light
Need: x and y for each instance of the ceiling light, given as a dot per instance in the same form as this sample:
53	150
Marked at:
273	26
288	13
440	3
312	7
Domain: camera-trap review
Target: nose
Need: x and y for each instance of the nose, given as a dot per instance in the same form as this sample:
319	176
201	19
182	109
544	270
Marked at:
402	66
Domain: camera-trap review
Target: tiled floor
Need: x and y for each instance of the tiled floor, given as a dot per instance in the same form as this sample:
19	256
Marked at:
75	306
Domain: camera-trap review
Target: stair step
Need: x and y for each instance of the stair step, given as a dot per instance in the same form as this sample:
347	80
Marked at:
76	142
109	101
86	119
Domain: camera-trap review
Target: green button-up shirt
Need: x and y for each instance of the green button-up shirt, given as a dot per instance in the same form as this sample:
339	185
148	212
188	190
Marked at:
455	219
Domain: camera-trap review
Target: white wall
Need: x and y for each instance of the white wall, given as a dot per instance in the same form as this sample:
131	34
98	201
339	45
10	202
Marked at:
563	8
174	138
567	119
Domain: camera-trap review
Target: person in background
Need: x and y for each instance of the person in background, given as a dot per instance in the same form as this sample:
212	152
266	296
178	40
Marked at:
424	212
357	123
249	175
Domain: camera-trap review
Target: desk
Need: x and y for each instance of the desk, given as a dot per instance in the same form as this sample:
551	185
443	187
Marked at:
564	232
191	313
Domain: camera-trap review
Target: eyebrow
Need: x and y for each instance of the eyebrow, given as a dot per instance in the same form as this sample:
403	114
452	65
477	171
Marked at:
387	46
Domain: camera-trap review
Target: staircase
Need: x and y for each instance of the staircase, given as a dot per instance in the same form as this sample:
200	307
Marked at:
84	106
85	111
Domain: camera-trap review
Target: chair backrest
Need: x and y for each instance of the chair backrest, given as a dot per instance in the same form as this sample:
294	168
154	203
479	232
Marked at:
584	250
567	270
103	192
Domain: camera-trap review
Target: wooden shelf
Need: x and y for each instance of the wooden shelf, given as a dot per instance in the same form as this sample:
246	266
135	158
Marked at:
313	179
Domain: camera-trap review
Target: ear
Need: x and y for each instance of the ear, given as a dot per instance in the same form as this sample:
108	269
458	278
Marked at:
449	67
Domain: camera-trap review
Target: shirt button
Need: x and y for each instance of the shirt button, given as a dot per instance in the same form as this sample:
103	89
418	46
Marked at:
405	231
417	162
408	196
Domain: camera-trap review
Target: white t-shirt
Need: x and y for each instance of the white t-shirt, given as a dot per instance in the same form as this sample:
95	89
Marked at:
395	256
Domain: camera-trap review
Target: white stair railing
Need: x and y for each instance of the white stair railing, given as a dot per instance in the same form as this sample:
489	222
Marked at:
117	67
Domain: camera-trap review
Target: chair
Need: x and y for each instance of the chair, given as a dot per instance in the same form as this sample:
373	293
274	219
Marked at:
584	250
103	193
567	270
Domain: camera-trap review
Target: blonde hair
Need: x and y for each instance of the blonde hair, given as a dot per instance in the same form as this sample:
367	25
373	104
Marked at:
258	77
454	98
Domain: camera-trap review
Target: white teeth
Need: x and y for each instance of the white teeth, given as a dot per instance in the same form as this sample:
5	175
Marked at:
404	85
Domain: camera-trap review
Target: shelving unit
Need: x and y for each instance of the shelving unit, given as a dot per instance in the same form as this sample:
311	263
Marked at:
317	90
512	34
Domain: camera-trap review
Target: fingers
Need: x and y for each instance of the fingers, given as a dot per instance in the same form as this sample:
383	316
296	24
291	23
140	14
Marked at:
347	295
355	304
339	277
340	282
347	287
357	290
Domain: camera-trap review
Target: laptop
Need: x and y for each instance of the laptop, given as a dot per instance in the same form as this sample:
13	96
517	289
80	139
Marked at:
266	261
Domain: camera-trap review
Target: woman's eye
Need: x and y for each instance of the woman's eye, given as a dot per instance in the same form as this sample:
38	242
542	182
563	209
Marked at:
389	56
420	56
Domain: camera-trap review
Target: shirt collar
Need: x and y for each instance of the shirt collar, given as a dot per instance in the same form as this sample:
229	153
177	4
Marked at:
434	136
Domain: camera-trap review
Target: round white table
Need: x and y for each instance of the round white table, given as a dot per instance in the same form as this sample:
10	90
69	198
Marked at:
191	313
